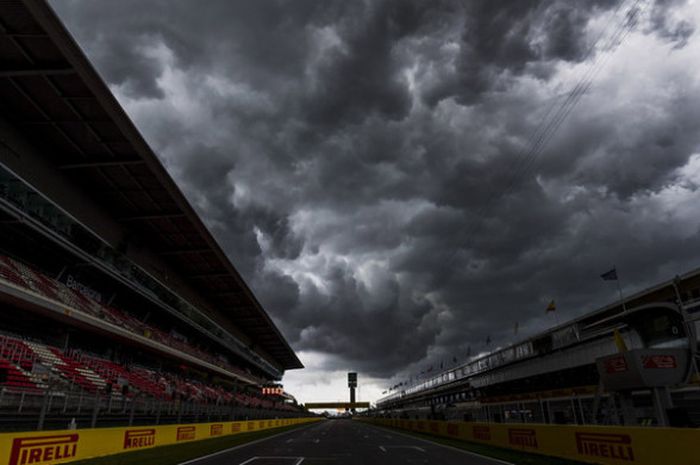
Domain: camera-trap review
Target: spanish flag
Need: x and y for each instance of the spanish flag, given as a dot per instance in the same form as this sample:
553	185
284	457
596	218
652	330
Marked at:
552	307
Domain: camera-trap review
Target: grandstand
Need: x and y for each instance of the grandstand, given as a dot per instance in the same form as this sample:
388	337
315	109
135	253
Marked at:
565	375
116	303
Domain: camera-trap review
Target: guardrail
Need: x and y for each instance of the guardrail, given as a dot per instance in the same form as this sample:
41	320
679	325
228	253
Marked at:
608	445
55	447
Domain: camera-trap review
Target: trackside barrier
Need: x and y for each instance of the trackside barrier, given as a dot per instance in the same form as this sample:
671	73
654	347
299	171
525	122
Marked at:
54	447
608	445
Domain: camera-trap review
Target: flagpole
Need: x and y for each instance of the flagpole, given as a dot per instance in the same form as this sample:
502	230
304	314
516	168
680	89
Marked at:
622	300
619	289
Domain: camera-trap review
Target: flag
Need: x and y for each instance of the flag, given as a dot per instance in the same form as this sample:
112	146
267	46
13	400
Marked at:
610	275
552	307
619	342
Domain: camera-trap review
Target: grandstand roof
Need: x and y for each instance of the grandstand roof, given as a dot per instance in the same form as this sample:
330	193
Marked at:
53	94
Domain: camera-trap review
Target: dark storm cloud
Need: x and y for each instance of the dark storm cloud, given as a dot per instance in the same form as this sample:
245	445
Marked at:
364	75
344	154
500	39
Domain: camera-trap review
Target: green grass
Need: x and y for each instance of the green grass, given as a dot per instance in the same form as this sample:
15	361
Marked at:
172	455
509	455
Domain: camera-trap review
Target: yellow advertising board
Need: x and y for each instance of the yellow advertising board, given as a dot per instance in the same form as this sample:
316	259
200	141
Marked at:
608	445
54	447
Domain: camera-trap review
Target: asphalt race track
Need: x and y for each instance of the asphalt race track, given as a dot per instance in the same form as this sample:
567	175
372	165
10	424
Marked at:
342	442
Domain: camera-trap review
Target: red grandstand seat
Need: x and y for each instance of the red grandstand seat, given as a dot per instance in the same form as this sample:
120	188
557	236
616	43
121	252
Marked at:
92	373
14	377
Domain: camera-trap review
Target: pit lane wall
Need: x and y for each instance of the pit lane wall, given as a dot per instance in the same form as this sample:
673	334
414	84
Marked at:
608	445
54	447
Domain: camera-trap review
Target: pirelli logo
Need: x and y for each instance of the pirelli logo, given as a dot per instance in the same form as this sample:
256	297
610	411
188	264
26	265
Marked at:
216	430
235	427
523	437
186	433
43	449
615	364
605	445
482	433
138	438
659	361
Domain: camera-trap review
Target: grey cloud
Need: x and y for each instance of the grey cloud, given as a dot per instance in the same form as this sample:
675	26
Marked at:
131	67
343	153
500	39
678	32
362	75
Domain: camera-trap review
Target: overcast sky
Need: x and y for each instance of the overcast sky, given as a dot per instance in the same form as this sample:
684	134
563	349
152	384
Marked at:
375	171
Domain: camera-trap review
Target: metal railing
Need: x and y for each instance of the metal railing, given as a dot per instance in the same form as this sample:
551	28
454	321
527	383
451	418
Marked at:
23	410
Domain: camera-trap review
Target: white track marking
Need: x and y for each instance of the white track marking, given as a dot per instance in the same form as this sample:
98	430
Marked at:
266	457
257	441
427	441
385	447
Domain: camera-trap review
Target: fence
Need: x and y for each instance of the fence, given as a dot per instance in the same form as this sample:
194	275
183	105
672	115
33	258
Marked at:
22	410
